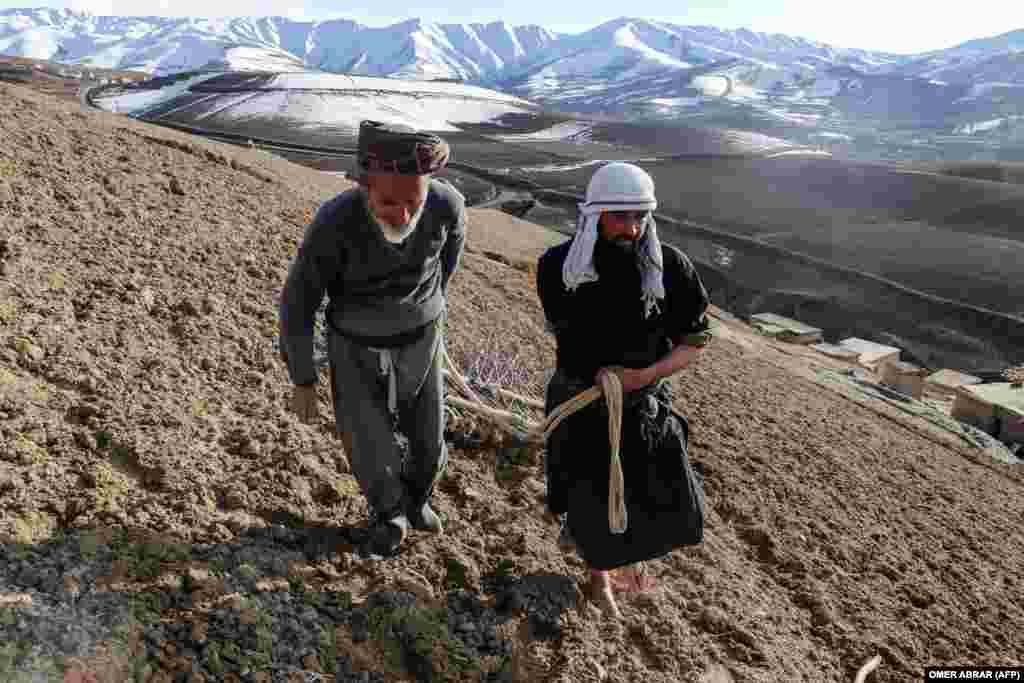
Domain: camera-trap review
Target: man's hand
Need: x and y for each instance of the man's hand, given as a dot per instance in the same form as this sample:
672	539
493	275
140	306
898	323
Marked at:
631	379
304	403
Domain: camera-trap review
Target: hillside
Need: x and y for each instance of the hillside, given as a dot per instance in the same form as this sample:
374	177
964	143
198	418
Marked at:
157	501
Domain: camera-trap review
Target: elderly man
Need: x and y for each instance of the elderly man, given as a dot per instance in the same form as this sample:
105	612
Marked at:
384	254
619	301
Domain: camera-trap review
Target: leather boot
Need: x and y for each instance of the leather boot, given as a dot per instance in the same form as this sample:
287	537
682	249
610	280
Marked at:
385	535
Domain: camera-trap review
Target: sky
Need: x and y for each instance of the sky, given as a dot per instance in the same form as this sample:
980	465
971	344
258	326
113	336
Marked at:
898	26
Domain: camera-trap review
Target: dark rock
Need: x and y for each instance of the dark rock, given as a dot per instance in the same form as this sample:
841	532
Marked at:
28	578
509	601
543	627
360	625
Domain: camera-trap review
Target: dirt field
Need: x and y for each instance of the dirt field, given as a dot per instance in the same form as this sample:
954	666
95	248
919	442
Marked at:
138	272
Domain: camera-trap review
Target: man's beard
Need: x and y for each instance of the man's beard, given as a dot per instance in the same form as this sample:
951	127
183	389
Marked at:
397	233
627	245
630	246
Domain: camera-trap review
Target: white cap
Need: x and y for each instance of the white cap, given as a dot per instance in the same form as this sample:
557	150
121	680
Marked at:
620	182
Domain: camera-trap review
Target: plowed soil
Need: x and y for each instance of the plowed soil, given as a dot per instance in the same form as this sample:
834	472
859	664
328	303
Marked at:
139	266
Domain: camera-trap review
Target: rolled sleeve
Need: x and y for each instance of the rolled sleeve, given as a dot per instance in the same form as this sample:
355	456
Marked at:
688	322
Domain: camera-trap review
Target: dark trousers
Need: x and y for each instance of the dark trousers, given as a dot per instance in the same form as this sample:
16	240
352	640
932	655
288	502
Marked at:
389	413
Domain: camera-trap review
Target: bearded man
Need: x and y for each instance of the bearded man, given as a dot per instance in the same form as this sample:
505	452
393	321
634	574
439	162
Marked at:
384	253
619	301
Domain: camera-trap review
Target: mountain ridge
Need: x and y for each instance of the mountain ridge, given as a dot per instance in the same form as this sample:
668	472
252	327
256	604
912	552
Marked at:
63	18
628	67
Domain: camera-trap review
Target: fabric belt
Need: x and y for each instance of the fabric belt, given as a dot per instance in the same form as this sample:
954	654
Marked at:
387	367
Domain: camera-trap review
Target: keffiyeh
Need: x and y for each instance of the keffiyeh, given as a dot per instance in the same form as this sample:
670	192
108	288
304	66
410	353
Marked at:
617	187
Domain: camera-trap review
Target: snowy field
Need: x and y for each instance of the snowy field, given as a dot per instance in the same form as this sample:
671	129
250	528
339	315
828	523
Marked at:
342	82
137	101
312	101
569	130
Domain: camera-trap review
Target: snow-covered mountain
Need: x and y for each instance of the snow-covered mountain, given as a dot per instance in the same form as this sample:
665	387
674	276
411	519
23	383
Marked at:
417	49
627	67
780	84
997	58
660	69
625	48
161	45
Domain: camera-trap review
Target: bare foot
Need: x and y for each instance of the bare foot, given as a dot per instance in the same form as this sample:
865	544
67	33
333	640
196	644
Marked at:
633	579
602	595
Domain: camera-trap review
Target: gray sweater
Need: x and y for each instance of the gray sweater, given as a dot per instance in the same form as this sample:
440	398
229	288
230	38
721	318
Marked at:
378	291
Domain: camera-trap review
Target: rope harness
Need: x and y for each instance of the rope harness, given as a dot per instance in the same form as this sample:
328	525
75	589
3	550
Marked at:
536	433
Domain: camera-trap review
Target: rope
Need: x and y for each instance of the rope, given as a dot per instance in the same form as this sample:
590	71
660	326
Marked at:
537	433
616	486
868	667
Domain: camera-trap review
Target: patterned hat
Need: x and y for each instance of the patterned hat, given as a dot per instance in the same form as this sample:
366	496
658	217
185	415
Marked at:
395	148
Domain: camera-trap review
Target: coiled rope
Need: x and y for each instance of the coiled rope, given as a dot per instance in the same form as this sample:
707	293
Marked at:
537	433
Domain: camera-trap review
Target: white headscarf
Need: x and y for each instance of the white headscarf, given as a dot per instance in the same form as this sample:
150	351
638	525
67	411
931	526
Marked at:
618	186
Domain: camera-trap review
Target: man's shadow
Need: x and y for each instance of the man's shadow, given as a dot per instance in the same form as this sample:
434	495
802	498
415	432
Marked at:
315	540
254	554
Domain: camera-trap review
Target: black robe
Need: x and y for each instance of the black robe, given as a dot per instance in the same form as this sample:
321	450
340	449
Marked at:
602	323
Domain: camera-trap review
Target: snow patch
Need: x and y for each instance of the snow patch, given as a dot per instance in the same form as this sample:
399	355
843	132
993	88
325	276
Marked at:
129	102
712	86
983	126
568	130
554	168
832	136
676	101
330	100
342	82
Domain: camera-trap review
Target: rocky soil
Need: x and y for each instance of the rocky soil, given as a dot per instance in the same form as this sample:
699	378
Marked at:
164	518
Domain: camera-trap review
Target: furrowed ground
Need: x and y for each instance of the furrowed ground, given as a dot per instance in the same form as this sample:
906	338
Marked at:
139	391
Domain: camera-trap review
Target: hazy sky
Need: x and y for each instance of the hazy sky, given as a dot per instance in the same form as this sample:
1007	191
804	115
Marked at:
901	26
